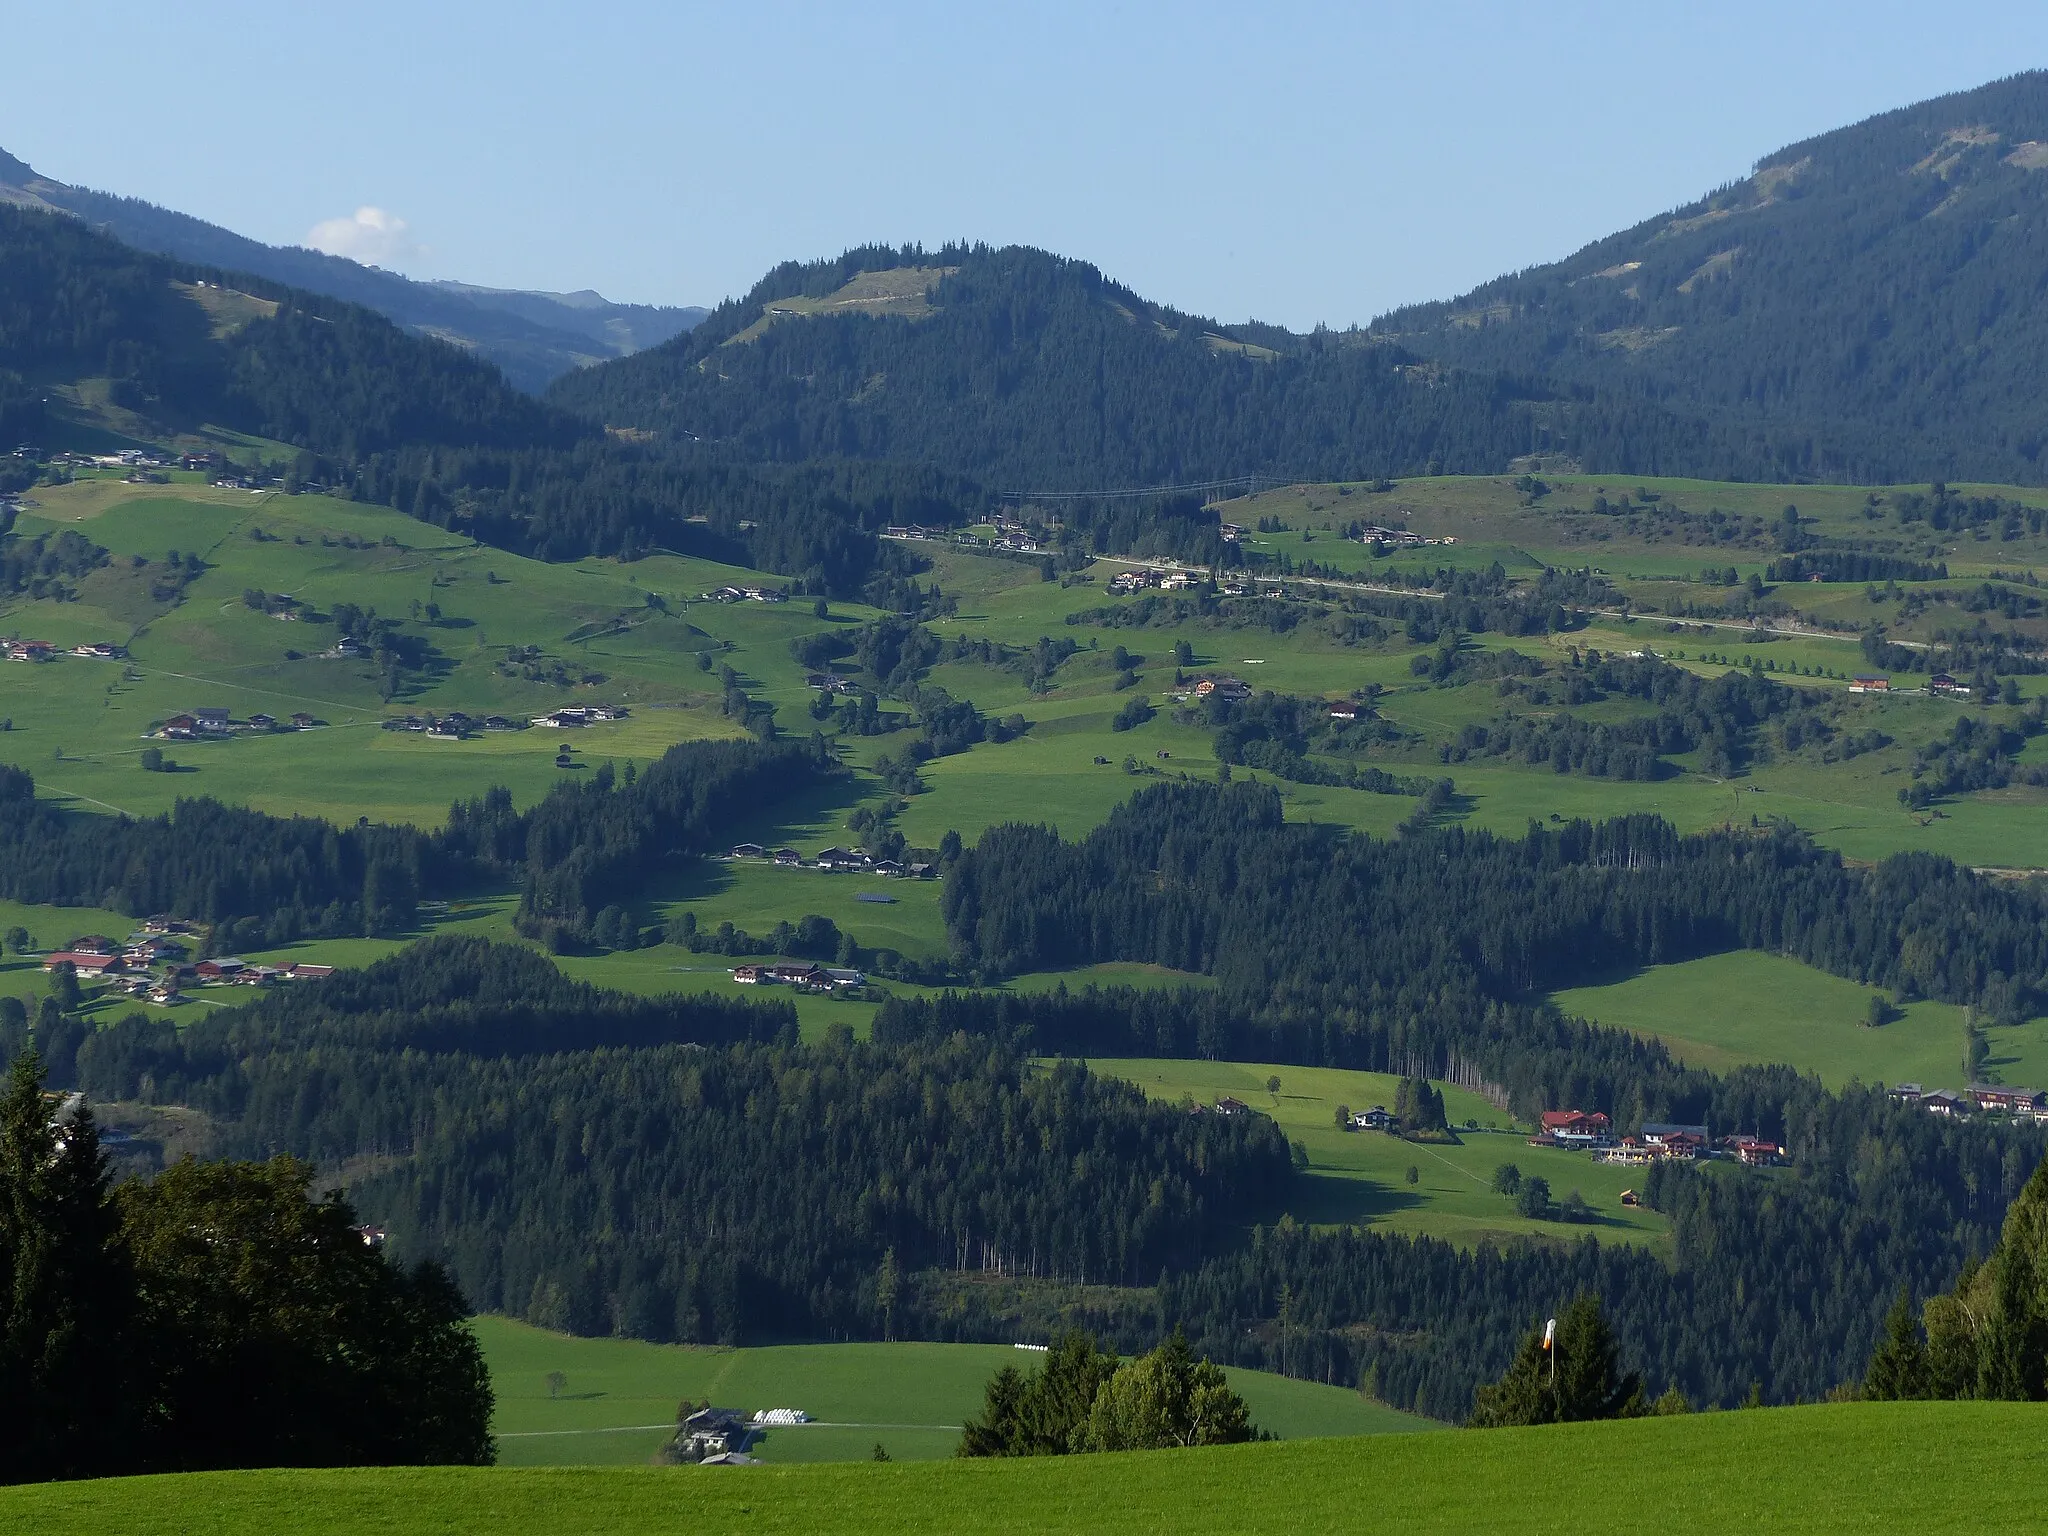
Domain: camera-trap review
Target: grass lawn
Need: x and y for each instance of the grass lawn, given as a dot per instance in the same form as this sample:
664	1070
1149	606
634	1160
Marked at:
1936	1467
1361	1176
1748	1006
619	1403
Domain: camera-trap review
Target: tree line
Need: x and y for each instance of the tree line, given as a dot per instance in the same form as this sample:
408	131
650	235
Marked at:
578	854
681	1168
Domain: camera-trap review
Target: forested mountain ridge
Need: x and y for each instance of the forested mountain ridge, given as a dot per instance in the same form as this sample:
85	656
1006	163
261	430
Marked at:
1866	305
401	420
533	337
185	345
1030	371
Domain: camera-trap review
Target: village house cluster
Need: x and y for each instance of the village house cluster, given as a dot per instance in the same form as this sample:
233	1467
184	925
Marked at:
831	682
1398	538
835	861
575	716
1977	1099
1010	534
1228	689
1593	1131
215	723
1125	583
43	650
154	963
748	595
805	978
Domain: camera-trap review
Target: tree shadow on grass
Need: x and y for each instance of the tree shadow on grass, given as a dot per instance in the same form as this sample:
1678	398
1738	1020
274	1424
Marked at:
1332	1199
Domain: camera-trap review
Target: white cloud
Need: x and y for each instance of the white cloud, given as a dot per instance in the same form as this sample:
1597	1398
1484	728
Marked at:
373	236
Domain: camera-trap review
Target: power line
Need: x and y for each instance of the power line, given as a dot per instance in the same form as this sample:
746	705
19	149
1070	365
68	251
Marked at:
1256	482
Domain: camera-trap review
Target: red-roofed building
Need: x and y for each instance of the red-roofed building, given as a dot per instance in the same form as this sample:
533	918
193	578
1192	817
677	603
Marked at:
1577	1127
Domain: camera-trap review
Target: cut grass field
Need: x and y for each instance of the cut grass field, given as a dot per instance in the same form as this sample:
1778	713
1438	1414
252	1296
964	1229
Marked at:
1360	1177
618	1406
1747	1006
1934	1467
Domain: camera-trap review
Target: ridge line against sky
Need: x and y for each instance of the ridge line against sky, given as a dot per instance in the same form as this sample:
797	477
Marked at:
1309	163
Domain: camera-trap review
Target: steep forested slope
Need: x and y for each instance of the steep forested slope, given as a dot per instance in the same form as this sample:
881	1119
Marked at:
408	422
1032	372
1867	305
533	337
323	375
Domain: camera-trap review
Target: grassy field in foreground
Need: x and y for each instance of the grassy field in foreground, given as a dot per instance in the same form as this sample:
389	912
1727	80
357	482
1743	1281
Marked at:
1361	1177
1840	1467
1747	1006
909	1398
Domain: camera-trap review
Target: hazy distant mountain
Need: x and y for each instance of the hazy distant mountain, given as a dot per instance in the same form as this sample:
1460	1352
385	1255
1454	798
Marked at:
533	337
1869	300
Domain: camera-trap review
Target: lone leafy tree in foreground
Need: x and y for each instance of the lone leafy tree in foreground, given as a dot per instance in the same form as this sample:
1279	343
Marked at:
1577	1378
214	1316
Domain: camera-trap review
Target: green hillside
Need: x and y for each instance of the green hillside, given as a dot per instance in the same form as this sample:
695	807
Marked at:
1361	1177
1750	1007
910	1398
1972	1468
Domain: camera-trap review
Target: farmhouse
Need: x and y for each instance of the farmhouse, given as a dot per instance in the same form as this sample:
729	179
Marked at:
747	975
1943	1102
211	722
1222	688
1575	1128
1996	1098
841	976
308	972
788	858
747	851
1941	682
1906	1093
84	962
1230	1106
1861	684
1753	1153
1682	1141
1374	1119
710	1434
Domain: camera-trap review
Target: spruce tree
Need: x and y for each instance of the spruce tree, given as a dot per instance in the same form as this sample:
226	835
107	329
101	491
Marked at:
66	1291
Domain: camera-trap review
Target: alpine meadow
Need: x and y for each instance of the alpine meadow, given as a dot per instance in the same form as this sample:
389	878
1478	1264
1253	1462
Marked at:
941	865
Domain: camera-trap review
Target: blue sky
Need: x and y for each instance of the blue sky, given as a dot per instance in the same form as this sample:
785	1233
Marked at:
1296	163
